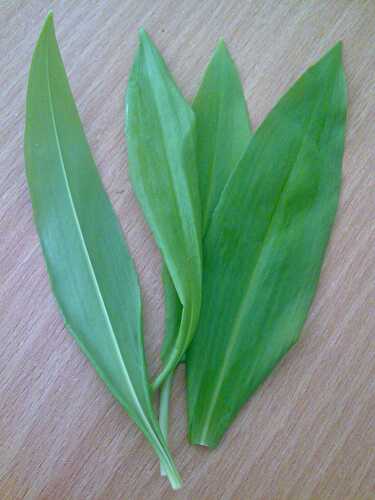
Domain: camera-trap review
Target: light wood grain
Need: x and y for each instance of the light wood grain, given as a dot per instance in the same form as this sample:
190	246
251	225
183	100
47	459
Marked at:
310	431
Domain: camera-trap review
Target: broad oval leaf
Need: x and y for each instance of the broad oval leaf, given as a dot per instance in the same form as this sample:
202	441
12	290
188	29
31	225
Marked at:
264	248
90	269
160	130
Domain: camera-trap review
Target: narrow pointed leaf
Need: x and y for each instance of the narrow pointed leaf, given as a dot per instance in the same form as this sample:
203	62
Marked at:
264	248
223	128
223	133
90	269
160	130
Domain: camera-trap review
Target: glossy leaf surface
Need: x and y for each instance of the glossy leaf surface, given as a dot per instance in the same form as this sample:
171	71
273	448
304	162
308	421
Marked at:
90	269
264	248
160	130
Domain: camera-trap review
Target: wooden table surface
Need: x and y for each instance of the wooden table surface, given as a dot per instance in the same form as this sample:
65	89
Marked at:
309	432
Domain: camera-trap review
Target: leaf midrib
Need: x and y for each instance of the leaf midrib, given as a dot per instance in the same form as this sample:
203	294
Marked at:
88	259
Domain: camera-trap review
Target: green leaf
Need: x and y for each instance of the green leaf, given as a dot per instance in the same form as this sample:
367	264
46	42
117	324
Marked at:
223	133
90	269
223	128
264	248
160	130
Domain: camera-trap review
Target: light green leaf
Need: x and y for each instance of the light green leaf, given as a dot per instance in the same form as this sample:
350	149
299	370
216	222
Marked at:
165	396
90	269
223	128
264	248
173	313
160	130
223	133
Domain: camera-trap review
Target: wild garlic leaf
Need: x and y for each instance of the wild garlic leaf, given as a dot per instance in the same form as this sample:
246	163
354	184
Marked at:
160	130
91	272
223	128
264	248
223	133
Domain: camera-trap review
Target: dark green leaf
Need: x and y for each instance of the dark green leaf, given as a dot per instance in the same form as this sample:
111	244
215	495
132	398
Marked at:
91	271
264	248
160	129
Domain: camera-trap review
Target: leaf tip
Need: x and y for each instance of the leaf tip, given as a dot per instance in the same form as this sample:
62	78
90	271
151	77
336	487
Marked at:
330	63
337	48
45	32
222	47
143	36
221	43
335	53
48	23
339	44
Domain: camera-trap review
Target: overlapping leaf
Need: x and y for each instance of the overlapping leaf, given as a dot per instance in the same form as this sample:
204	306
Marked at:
263	206
223	132
91	271
160	130
264	248
223	128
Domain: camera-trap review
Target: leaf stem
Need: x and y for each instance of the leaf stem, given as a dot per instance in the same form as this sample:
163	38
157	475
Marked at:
172	474
165	396
166	371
